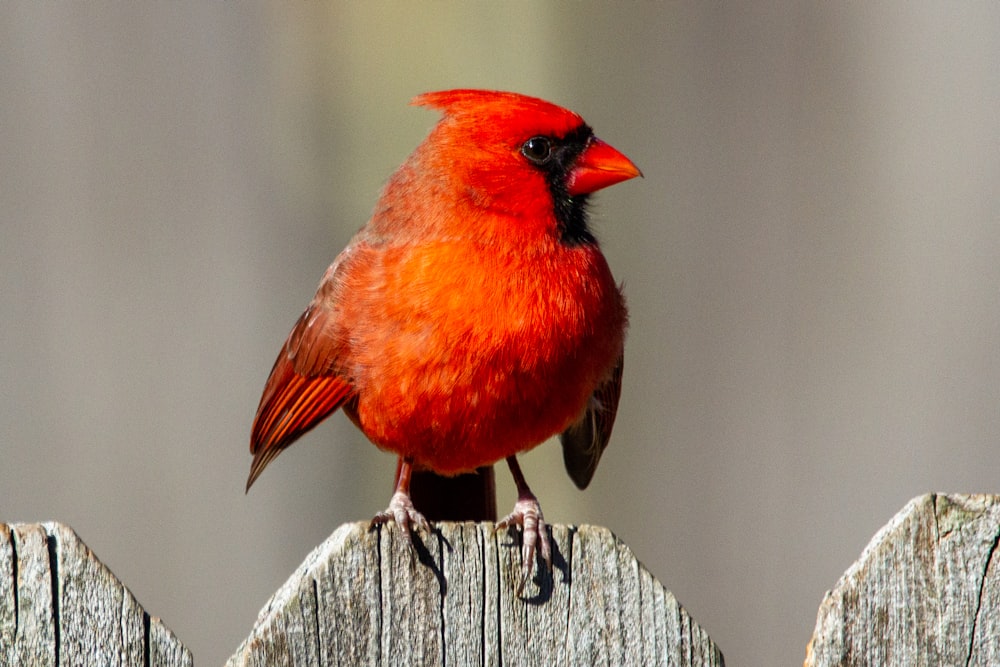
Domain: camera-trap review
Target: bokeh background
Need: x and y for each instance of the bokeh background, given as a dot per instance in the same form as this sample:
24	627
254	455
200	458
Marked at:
812	264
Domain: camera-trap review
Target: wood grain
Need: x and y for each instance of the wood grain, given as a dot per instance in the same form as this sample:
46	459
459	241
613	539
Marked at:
925	591
362	597
60	606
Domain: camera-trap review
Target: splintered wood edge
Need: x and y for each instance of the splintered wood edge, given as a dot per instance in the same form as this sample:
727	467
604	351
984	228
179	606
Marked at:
73	621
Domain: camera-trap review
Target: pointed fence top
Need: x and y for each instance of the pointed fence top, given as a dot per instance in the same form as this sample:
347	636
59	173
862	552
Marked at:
362	597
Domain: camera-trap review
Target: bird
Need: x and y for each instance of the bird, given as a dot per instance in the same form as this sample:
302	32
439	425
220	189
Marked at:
474	316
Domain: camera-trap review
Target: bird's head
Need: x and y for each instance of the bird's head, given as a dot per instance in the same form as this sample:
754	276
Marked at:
521	156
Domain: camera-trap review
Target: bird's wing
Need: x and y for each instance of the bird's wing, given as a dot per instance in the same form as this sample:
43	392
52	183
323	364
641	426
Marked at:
584	441
303	388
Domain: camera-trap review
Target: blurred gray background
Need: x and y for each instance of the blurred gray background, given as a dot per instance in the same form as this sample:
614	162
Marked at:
812	264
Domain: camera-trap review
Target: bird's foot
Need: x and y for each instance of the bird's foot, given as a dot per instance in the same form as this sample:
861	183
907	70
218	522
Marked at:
527	513
402	512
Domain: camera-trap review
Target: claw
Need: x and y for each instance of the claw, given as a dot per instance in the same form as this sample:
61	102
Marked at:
401	510
527	513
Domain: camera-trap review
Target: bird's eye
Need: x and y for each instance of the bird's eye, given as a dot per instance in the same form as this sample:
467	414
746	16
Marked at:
537	149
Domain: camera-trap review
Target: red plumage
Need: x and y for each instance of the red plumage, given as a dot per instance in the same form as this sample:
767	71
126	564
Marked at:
474	316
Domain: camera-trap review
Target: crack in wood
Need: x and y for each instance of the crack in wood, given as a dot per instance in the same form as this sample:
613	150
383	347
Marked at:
70	610
481	543
380	584
569	585
441	598
145	640
52	545
920	592
14	587
979	598
316	618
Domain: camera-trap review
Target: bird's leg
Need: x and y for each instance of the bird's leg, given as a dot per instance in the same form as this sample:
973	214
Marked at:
528	514
401	509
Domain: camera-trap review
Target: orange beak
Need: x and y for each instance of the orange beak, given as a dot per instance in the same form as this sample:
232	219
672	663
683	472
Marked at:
599	166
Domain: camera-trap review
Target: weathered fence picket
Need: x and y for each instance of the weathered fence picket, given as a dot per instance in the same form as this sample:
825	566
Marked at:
926	590
363	597
60	606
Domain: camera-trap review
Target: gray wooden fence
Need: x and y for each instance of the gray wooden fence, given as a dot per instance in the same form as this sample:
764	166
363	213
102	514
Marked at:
363	597
60	606
926	591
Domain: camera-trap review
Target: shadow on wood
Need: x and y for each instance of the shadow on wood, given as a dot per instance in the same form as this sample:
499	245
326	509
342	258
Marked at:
60	606
362	597
925	591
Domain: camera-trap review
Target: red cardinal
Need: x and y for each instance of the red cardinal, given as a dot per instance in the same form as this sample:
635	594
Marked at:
474	316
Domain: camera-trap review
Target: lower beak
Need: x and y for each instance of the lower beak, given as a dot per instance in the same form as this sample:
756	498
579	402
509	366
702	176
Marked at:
598	166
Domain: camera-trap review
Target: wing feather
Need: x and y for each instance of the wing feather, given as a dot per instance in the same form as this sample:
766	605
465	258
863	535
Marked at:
584	441
302	389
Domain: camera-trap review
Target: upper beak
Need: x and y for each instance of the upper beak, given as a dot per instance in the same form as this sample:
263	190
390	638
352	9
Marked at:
598	166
